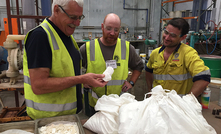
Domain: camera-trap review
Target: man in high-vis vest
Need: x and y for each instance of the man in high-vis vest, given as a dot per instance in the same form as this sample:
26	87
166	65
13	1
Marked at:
176	65
52	64
109	50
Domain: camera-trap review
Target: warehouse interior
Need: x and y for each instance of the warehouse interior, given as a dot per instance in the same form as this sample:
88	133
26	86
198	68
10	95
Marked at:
142	23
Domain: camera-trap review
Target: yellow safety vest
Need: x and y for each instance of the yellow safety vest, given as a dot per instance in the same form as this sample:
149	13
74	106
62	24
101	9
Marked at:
178	72
58	103
96	64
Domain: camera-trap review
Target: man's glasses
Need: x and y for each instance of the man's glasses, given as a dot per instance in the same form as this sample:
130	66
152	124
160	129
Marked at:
73	16
171	34
116	30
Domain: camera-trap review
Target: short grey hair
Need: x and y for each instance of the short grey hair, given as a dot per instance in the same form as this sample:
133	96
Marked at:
63	3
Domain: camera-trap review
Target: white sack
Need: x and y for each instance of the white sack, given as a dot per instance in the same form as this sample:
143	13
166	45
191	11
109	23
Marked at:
102	123
106	120
127	113
164	113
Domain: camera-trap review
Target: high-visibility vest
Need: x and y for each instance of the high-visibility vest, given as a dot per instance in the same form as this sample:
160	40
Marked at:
58	103
96	64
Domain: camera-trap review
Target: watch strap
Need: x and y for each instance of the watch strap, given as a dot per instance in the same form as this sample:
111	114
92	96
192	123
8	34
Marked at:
132	83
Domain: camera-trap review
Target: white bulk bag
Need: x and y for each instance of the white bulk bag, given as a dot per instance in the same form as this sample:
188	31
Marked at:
106	120
165	113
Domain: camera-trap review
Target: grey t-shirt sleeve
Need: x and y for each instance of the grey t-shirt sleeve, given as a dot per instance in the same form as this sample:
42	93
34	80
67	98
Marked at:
135	61
84	55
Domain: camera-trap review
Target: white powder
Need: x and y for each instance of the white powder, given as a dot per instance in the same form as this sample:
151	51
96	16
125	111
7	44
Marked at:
59	129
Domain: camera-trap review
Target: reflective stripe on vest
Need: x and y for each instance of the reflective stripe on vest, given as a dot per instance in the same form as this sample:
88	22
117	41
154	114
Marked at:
92	50
180	77
81	71
93	94
54	42
28	81
207	72
123	50
115	82
50	107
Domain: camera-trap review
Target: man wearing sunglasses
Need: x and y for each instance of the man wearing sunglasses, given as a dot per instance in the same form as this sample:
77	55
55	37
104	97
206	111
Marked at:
52	64
109	50
176	65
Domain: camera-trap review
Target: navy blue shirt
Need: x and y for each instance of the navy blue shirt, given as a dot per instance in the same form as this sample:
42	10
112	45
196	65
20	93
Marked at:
39	54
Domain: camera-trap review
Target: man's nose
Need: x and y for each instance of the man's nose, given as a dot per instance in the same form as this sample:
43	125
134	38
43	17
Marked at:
76	22
167	36
112	32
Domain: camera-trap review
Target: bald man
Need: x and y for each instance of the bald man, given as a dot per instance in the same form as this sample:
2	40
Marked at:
109	50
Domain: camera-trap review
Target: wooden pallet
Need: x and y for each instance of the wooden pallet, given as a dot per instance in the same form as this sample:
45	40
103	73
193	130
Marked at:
13	114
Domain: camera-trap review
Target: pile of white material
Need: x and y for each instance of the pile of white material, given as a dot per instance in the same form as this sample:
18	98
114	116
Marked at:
162	113
108	73
16	131
106	121
59	128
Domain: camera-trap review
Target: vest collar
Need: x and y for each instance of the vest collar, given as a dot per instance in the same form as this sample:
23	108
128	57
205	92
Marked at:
60	33
163	47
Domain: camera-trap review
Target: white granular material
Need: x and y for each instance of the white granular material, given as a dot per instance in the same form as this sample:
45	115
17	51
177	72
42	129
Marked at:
59	129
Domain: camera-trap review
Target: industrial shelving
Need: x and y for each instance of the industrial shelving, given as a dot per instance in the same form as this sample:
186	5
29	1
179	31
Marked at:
178	2
18	16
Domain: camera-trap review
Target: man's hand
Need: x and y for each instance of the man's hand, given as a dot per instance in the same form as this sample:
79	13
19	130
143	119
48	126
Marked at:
94	80
126	86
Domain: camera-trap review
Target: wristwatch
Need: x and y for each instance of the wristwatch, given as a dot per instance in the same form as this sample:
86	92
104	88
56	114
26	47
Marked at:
132	83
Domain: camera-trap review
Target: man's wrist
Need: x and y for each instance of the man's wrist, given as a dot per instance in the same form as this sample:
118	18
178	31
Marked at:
132	83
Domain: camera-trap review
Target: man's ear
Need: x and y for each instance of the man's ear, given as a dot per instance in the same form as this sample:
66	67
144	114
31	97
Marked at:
183	37
102	26
56	9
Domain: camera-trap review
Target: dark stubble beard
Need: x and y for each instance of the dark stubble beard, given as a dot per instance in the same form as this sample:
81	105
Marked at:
110	41
174	45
